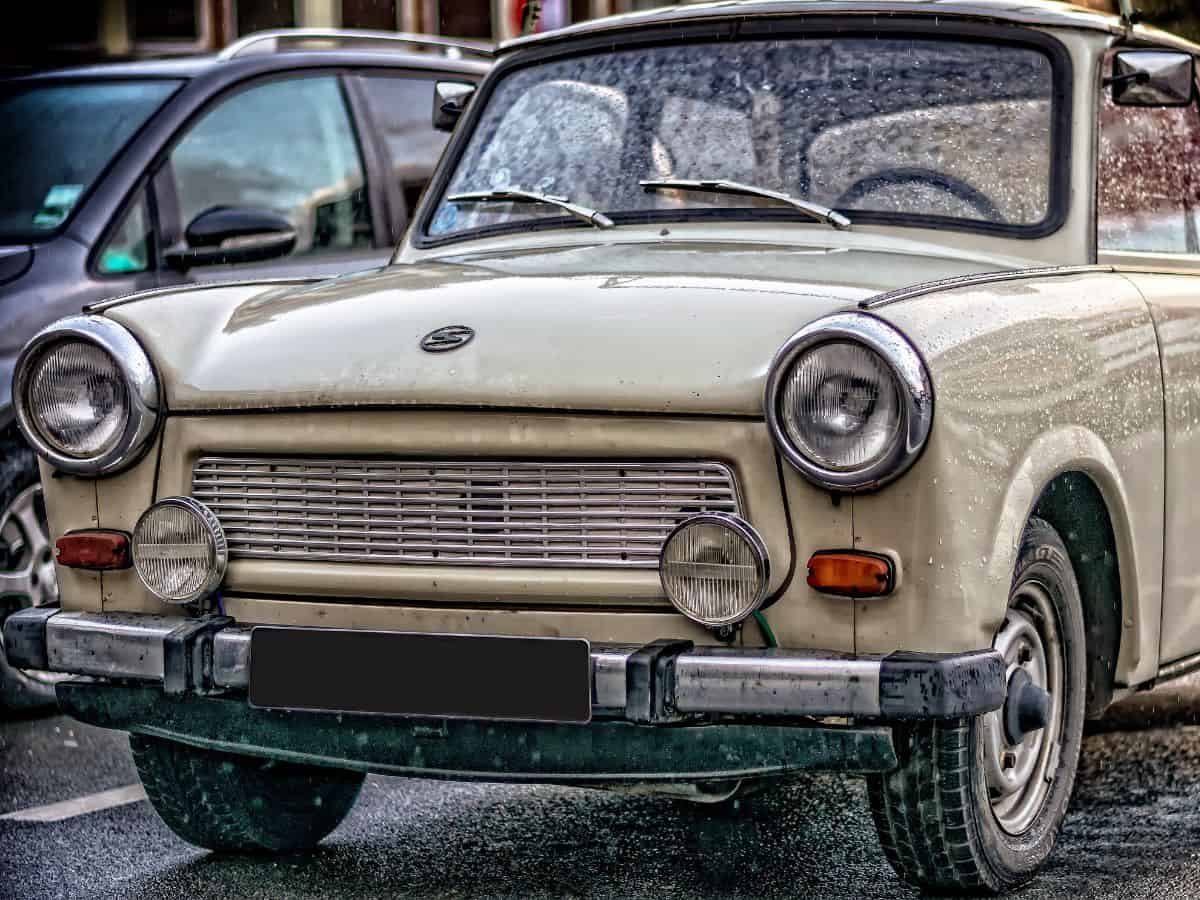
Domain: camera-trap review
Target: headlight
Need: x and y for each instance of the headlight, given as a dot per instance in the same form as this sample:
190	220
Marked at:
714	569
86	397
849	402
179	550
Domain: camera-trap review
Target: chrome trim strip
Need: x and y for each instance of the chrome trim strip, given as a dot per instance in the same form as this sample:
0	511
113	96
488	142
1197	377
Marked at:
1179	668
351	36
912	378
140	382
715	680
540	513
961	281
102	305
707	679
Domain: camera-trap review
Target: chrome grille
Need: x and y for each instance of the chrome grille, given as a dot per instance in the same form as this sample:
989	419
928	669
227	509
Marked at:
453	512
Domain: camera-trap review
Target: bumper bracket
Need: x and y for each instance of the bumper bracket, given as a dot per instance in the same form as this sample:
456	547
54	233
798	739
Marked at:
187	655
649	671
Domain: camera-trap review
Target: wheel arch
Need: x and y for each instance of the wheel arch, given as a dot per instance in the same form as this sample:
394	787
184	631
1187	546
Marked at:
1074	506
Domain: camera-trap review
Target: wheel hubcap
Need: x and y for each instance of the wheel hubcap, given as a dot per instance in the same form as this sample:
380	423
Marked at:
1019	773
27	574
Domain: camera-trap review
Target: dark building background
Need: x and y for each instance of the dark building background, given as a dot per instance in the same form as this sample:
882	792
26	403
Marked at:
1182	16
41	33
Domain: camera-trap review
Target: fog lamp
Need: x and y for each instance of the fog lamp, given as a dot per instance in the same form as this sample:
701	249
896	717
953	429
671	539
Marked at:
714	569
179	550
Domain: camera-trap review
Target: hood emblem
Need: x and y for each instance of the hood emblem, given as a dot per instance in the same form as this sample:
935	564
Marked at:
449	337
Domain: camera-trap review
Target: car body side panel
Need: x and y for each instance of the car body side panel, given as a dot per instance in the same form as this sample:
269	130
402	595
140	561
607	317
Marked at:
71	504
120	500
1175	304
1031	379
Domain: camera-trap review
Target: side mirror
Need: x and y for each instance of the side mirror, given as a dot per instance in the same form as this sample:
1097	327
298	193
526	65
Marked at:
225	235
450	98
1152	78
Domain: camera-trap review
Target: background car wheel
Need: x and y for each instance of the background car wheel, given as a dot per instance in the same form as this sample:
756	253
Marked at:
976	805
221	801
27	576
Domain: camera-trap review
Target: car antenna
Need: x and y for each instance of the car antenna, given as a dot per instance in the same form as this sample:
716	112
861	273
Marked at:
1129	15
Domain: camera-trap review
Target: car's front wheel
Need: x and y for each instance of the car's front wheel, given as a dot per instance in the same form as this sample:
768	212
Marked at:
27	575
976	805
222	801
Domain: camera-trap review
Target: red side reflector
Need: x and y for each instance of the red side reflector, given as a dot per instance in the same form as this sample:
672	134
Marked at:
850	573
93	549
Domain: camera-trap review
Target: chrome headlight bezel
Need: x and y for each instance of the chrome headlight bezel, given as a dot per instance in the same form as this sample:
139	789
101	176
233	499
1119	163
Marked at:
912	381
140	383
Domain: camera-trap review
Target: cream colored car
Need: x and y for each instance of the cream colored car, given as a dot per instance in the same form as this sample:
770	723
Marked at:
761	387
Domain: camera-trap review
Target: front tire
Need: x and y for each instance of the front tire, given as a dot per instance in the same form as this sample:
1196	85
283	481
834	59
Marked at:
221	801
969	810
27	575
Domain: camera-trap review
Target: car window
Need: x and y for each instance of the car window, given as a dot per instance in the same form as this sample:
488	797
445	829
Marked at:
286	146
58	138
871	126
401	109
684	132
568	128
1148	179
128	248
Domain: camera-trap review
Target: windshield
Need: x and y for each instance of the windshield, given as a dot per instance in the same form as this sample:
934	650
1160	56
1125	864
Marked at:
899	127
58	138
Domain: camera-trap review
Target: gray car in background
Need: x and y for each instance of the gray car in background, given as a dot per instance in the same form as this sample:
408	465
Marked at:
294	151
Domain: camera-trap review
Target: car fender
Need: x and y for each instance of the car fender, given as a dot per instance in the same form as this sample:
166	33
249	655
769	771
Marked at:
1032	378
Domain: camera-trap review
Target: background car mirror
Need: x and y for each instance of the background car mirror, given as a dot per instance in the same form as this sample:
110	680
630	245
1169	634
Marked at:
1152	78
450	98
231	234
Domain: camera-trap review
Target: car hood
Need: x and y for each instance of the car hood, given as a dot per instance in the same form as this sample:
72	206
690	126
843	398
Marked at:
669	328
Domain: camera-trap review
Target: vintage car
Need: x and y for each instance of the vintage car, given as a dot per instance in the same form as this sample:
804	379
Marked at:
761	387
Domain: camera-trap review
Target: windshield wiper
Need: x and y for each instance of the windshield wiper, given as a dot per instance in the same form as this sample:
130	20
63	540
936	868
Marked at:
815	210
518	195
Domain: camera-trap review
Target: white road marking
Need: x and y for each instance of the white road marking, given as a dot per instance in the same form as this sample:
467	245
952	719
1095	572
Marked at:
80	806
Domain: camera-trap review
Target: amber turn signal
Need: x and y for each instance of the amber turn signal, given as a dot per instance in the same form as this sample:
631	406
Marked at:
93	549
851	573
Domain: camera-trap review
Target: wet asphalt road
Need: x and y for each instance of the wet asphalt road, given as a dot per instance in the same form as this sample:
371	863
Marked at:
1134	832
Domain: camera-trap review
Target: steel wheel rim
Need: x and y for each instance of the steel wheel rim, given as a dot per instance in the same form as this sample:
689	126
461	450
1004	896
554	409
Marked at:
27	574
1019	776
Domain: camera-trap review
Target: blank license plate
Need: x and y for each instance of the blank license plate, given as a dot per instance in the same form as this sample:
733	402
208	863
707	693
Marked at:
439	675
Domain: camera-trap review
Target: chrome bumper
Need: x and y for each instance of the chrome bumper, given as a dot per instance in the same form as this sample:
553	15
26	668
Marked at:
660	681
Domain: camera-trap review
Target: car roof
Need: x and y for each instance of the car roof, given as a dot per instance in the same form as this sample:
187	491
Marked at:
1050	13
362	48
177	67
